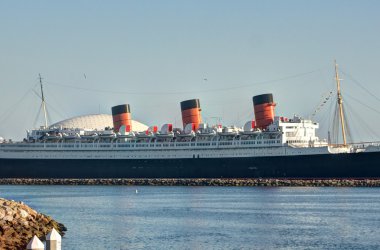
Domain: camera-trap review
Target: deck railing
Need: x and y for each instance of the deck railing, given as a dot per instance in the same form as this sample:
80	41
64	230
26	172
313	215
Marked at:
144	145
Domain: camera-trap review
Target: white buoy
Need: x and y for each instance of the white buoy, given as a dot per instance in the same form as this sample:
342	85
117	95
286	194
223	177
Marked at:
35	244
53	240
137	191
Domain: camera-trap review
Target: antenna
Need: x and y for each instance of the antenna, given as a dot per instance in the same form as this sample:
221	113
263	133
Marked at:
340	103
43	100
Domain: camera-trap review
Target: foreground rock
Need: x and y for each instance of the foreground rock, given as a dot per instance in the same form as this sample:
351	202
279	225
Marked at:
19	223
247	182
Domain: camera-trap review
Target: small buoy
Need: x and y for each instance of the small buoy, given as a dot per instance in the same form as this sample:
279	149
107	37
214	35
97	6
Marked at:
137	191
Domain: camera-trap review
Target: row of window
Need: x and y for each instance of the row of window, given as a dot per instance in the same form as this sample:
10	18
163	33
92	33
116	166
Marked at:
147	145
297	141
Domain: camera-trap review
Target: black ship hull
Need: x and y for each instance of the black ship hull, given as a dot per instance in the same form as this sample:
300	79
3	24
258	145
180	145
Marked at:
355	165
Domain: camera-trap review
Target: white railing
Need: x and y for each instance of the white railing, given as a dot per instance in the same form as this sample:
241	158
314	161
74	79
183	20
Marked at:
143	145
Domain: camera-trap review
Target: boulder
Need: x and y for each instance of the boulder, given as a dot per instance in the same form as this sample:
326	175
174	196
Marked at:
19	223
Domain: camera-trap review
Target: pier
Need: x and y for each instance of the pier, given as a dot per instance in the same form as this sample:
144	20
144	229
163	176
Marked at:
246	182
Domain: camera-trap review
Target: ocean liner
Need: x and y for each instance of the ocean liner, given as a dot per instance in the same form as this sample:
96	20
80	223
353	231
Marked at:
267	147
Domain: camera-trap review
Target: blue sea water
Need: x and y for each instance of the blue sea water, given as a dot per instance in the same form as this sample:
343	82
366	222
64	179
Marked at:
116	217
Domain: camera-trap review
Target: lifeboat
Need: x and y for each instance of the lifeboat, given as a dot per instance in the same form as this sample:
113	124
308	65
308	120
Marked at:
166	135
129	135
191	134
145	135
207	134
52	137
71	137
90	137
107	136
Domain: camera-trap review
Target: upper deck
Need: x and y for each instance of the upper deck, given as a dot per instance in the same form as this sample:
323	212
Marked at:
295	132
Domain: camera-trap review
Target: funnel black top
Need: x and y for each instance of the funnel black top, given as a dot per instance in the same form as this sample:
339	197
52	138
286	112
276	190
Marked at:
190	104
260	99
121	109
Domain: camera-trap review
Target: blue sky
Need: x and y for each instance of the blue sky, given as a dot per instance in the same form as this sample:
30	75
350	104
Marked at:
158	53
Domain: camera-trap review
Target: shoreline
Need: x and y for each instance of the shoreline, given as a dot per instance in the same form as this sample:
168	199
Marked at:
246	182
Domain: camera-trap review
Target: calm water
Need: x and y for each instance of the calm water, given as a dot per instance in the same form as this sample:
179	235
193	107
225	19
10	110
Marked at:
102	217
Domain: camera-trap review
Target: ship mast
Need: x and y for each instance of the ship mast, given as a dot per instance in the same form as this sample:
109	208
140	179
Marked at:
43	100
340	104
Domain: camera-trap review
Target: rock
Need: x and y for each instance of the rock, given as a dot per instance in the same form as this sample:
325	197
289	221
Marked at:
8	218
19	223
249	182
23	213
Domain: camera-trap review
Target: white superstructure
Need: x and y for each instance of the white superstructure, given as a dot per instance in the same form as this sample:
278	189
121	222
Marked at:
294	136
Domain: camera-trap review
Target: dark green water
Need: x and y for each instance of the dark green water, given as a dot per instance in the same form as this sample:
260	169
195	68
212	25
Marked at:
115	217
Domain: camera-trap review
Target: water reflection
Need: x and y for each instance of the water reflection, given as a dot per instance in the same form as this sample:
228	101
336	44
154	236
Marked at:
110	217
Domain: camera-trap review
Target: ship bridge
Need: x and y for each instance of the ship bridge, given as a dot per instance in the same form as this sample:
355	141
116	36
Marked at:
297	131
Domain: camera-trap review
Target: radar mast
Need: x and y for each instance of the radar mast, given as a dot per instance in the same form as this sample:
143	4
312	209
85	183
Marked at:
43	100
340	104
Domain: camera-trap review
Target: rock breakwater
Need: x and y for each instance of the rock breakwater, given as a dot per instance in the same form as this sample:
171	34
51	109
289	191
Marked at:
257	182
19	223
